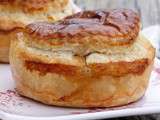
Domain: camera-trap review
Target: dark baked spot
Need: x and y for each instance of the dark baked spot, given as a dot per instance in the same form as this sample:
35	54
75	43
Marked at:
50	68
31	5
7	1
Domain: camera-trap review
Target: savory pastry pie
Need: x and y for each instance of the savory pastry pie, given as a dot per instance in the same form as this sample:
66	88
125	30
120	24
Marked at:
89	59
15	14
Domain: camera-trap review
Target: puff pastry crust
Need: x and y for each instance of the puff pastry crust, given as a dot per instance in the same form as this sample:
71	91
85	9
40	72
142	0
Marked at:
63	77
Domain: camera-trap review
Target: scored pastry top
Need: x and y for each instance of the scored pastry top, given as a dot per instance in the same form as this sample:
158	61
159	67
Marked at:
114	27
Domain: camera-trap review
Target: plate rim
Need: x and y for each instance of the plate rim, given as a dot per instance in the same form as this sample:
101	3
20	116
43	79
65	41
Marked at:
97	115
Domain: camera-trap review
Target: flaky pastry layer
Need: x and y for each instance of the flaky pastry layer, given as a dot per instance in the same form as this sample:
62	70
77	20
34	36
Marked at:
96	80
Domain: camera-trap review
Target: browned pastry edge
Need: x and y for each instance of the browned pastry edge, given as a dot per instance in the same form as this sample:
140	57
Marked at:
4	2
92	70
118	27
30	6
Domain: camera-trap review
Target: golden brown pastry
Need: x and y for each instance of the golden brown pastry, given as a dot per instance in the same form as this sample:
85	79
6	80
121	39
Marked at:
90	59
15	14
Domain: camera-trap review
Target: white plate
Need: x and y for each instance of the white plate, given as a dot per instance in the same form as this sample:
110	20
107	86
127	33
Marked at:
14	107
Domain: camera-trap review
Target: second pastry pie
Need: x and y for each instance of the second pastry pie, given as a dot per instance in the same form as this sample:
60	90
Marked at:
15	14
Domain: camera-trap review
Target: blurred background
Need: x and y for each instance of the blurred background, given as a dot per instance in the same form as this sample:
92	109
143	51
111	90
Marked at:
148	9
